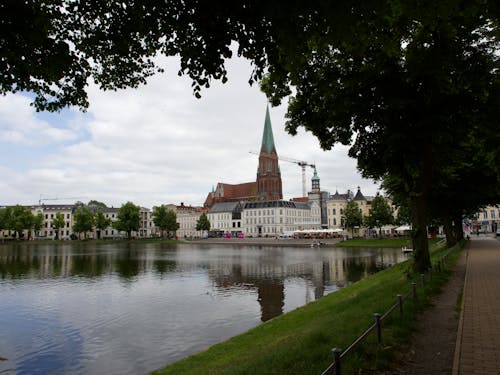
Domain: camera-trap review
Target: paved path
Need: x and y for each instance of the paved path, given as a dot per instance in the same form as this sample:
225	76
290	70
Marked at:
478	339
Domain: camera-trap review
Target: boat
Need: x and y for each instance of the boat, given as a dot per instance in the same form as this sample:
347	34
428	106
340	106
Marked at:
406	250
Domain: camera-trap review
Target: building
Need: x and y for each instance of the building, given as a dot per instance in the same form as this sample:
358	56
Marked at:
49	212
273	218
268	184
486	220
320	197
335	207
225	218
187	218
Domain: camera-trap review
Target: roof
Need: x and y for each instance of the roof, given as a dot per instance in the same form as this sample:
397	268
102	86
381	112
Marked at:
315	177
267	204
267	136
240	191
302	205
225	207
300	199
359	196
341	197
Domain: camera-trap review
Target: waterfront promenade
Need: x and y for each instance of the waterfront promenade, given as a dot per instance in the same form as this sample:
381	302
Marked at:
478	338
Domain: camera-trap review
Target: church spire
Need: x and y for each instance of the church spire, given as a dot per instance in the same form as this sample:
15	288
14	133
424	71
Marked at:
267	136
268	173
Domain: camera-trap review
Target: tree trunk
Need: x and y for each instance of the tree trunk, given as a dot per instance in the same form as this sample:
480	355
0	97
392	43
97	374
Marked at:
459	229
422	260
449	232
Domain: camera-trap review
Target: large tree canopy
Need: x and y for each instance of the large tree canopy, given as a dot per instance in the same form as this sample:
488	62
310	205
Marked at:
405	83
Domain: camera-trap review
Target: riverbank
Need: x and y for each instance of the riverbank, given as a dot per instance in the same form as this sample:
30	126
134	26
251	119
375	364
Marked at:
307	242
300	341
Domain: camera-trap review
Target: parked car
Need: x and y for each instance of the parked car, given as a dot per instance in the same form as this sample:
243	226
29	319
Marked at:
498	233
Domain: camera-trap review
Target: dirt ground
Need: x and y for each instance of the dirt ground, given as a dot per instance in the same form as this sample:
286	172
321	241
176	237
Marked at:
432	347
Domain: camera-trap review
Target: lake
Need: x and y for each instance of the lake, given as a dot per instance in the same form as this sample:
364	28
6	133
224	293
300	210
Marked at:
128	308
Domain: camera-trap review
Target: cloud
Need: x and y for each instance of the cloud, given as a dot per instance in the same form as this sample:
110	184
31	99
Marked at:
158	144
19	125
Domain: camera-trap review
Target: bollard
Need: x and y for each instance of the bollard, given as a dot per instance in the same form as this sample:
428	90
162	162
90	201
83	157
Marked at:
400	304
336	358
379	327
422	279
414	289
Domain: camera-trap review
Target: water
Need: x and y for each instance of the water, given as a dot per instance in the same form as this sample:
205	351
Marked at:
123	308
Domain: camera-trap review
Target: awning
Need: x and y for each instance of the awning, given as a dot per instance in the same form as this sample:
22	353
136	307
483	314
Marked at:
403	228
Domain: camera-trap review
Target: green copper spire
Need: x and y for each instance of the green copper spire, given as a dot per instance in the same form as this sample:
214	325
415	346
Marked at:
315	177
267	137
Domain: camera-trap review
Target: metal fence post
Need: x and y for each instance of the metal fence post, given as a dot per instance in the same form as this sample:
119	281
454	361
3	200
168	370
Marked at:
400	304
422	279
414	289
430	273
378	326
336	358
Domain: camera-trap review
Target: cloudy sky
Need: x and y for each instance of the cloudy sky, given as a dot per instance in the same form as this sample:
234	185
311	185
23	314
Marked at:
156	144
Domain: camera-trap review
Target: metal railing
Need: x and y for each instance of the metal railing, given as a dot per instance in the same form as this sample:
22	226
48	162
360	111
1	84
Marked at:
338	354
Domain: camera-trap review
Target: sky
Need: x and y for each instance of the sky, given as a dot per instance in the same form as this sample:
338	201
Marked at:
156	144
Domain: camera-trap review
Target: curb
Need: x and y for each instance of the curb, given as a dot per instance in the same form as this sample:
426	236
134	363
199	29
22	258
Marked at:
458	345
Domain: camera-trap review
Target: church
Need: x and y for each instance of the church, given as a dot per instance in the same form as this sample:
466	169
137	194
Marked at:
267	187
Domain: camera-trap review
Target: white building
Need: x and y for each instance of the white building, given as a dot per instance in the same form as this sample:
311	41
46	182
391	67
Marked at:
226	217
273	218
49	212
187	218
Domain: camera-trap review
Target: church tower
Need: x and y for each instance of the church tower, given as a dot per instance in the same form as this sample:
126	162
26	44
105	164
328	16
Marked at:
268	173
315	182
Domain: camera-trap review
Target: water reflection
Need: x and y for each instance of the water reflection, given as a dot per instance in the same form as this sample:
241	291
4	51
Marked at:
149	304
263	269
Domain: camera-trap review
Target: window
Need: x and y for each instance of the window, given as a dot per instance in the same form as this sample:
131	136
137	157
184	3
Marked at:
334	211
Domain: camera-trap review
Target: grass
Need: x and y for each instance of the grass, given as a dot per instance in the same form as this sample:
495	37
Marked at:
377	242
300	341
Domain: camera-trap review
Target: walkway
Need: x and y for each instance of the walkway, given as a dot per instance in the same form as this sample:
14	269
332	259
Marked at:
478	339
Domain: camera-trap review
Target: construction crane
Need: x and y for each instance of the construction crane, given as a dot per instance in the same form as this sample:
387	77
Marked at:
301	163
55	199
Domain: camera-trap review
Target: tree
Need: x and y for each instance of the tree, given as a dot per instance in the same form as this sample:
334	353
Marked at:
159	218
21	219
5	217
403	216
400	82
171	223
380	214
57	223
352	216
101	222
83	221
128	219
203	223
37	222
97	204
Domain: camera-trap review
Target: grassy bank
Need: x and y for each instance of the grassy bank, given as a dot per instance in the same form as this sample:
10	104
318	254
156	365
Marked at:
300	342
383	242
377	242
